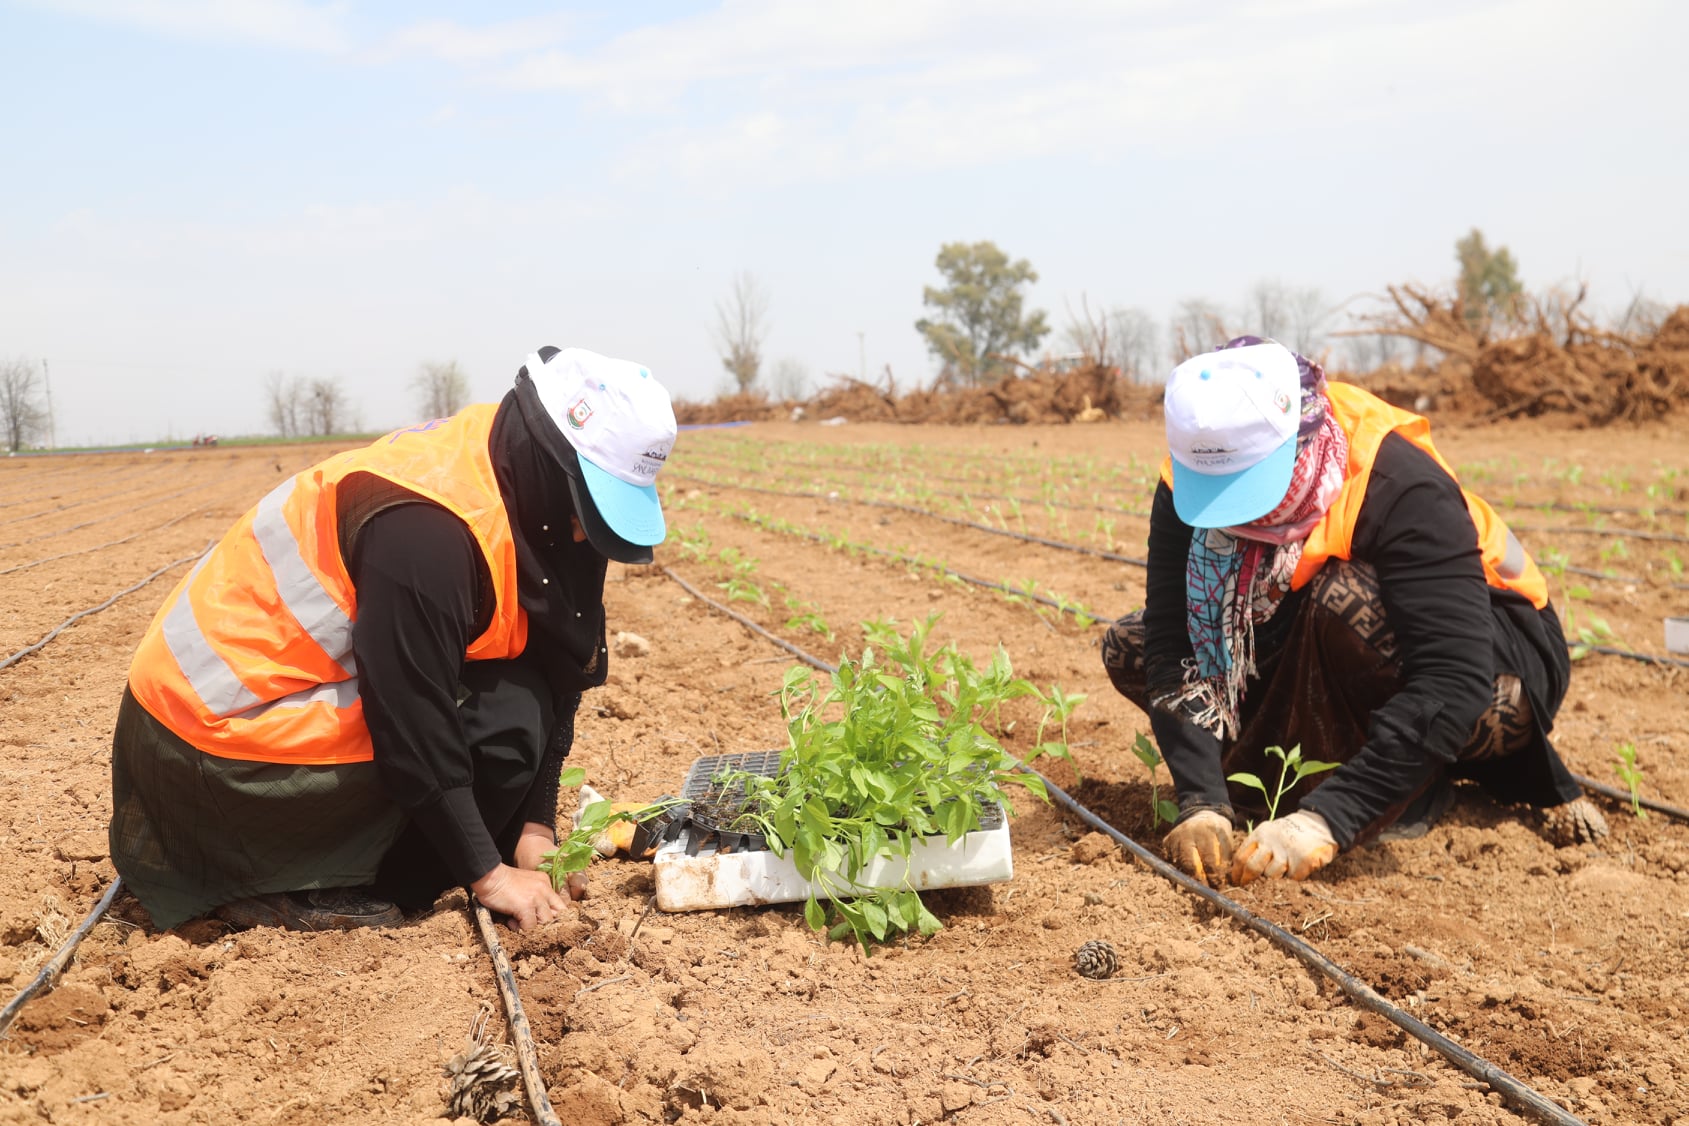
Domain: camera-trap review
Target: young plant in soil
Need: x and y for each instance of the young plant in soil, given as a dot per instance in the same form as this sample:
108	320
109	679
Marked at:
1294	768
1631	775
1161	809
574	852
889	750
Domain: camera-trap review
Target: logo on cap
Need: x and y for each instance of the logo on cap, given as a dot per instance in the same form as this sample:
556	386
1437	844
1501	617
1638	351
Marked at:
579	413
1281	400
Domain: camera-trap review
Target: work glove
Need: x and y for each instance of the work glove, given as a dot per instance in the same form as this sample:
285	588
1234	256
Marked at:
1201	845
1296	846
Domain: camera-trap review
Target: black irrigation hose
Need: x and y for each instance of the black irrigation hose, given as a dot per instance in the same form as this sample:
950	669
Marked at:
1608	650
899	557
747	623
1562	506
112	516
56	964
1357	990
101	499
1625	796
80	614
1038	502
1610	533
103	546
913	511
1647	658
1526	1098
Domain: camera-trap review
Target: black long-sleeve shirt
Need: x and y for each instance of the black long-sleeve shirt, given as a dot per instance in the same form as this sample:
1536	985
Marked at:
1452	629
420	579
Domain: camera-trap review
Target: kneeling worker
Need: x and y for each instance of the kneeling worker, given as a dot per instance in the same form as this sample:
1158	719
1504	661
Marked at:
363	694
1318	577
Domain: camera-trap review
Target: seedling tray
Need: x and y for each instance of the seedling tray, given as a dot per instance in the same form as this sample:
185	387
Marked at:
706	869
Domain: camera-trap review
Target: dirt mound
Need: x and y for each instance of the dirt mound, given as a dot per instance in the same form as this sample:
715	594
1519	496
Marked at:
1085	393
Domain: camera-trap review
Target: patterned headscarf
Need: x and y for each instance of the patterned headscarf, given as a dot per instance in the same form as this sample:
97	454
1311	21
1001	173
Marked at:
1257	561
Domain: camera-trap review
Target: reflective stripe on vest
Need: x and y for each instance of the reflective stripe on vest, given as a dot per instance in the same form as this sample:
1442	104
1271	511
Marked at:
251	655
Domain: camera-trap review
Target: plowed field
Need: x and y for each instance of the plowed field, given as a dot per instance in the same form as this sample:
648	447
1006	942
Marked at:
1568	968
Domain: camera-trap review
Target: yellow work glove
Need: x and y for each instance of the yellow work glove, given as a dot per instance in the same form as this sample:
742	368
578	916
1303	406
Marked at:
1201	846
618	835
1296	846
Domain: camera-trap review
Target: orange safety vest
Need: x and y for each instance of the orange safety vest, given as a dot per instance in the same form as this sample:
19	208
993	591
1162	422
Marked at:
1366	419
251	655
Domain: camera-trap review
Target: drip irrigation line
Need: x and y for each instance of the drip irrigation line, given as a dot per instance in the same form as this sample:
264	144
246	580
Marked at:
1610	533
1646	658
746	622
1618	509
1604	576
103	546
1524	1097
1625	796
526	1057
101	499
1608	650
1357	990
112	516
56	964
913	511
80	614
899	557
1037	502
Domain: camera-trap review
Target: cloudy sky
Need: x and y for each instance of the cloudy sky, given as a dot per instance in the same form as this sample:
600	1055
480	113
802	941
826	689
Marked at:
198	193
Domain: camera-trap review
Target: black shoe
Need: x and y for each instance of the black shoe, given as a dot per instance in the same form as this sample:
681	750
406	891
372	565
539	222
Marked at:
320	909
1422	813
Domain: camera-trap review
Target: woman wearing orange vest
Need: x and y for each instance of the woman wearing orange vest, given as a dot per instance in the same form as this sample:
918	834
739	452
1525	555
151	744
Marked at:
1318	578
363	694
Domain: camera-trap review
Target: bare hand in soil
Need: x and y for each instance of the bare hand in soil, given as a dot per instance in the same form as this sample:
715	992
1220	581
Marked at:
524	896
1296	846
1201	845
536	840
1576	822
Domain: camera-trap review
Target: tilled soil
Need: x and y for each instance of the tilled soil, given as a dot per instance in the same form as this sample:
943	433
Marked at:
1564	967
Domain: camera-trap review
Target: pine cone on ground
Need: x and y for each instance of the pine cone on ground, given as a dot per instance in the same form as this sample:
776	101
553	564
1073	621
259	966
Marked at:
1576	822
483	1084
1096	959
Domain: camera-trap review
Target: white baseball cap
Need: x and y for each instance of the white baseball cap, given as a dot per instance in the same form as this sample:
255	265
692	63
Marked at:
620	422
1231	418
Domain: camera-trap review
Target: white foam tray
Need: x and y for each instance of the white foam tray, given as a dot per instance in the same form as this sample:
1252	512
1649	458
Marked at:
711	880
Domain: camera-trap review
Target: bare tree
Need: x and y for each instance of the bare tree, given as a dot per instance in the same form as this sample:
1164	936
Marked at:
1642	316
1133	333
1198	325
442	389
285	404
790	379
1292	315
23	417
1308	311
740	331
326	407
1123	337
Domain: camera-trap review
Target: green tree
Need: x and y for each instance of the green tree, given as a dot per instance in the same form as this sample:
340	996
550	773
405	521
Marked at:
978	319
1490	289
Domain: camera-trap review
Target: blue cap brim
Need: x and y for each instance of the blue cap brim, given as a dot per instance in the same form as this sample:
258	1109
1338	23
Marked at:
632	511
1205	500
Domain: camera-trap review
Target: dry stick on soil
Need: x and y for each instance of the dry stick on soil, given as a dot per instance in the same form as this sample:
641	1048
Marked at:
519	1031
57	963
1524	1097
80	614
